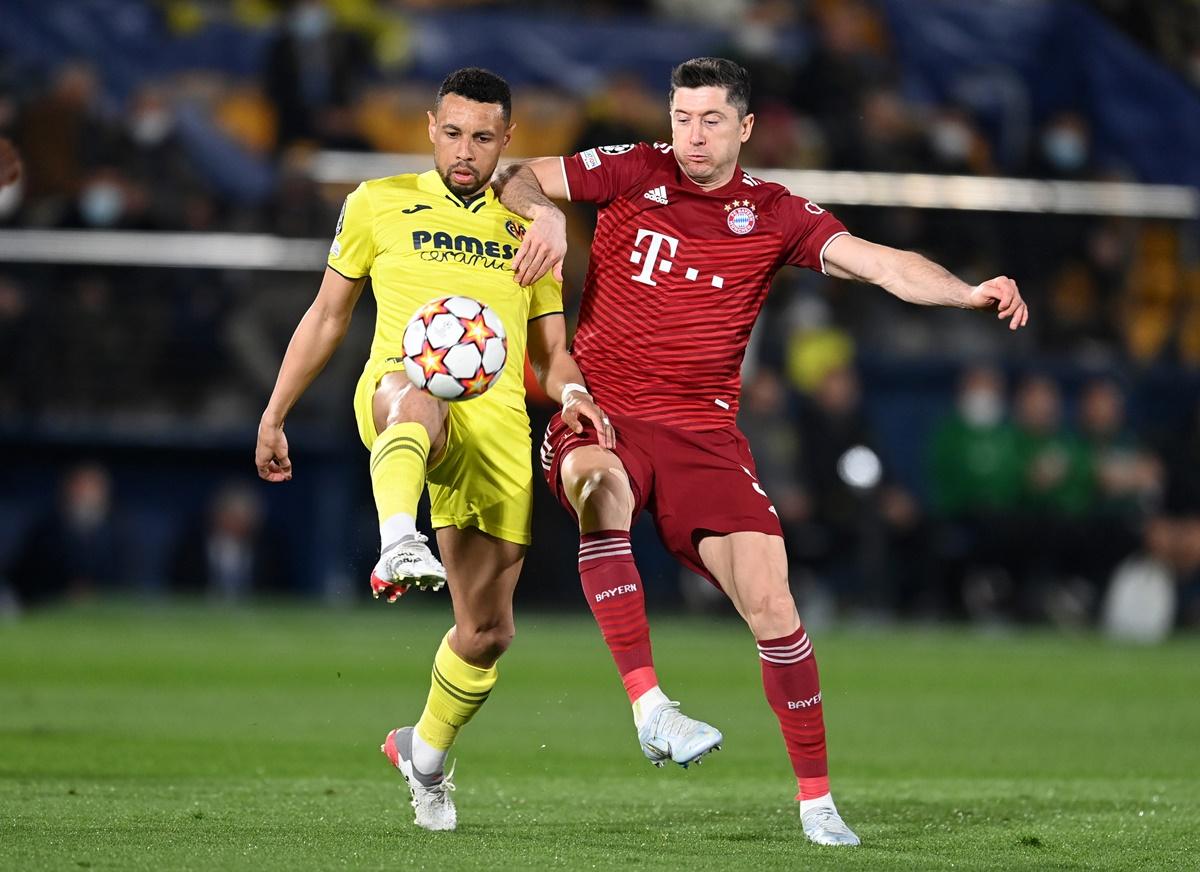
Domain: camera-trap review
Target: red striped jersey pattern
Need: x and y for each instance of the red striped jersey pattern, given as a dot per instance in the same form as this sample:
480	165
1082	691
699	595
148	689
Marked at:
676	279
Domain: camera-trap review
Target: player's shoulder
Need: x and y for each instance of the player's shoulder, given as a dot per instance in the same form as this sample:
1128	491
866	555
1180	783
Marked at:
765	190
644	153
389	186
658	155
779	197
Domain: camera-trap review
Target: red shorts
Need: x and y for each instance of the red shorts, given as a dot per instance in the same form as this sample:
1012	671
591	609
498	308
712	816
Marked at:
693	484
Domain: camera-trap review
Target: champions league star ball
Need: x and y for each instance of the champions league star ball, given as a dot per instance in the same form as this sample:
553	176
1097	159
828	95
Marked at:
454	348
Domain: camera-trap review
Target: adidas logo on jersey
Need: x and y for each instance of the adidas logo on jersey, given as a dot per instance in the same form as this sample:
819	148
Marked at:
658	195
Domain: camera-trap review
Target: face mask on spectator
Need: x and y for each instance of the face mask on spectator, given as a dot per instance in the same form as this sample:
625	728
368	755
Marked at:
101	204
310	22
981	408
151	128
951	140
1064	148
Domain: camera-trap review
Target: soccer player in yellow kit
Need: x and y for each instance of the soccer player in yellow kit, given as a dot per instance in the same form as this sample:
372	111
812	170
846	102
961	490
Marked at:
419	237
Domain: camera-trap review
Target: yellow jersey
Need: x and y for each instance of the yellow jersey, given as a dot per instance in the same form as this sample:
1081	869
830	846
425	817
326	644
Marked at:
418	241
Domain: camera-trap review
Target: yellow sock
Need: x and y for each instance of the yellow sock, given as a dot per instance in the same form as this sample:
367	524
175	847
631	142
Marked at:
398	460
456	692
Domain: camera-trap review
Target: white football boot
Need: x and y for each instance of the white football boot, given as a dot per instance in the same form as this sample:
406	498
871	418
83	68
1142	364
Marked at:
433	806
824	826
406	563
668	734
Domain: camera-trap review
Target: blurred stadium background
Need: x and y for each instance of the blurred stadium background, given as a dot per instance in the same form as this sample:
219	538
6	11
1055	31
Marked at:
184	162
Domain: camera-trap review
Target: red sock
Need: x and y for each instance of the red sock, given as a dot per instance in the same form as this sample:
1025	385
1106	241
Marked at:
789	672
614	593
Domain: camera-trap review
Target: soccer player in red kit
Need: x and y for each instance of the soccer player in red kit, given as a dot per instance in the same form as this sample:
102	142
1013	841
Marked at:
685	248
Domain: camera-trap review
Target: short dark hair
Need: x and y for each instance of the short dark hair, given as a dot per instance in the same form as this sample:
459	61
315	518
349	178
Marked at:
478	84
716	73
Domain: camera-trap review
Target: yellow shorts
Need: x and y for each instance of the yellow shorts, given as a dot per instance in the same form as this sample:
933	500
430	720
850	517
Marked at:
484	477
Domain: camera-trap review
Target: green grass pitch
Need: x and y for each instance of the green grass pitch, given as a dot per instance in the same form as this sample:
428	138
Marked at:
190	738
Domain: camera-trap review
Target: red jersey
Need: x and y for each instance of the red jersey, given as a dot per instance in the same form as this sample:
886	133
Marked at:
676	280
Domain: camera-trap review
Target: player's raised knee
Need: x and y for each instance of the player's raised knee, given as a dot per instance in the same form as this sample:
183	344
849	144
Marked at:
598	486
397	401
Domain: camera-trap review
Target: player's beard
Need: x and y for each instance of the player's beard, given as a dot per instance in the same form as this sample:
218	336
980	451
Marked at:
457	189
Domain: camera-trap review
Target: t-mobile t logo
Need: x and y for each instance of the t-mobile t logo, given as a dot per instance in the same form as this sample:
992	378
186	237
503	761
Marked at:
646	276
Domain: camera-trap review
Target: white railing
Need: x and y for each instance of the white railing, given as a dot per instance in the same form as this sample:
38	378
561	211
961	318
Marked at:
913	190
917	190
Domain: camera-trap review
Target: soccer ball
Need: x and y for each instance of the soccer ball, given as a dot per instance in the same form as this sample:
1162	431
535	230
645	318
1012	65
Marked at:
454	348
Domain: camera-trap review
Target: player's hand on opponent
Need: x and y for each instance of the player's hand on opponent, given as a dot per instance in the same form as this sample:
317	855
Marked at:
577	407
543	248
271	453
1002	293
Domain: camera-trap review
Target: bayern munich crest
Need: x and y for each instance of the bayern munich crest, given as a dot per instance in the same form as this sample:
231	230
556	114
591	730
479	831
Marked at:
741	218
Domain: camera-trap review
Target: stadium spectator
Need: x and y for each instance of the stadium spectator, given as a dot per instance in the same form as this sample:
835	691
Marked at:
1127	486
55	133
151	156
862	532
1064	149
1057	493
888	137
956	145
76	550
1128	479
313	70
1173	534
110	200
975	482
1054	470
227	555
973	463
848	62
297	207
623	110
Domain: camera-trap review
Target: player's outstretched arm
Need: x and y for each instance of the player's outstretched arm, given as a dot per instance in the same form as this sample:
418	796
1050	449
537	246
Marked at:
916	279
317	336
560	377
525	187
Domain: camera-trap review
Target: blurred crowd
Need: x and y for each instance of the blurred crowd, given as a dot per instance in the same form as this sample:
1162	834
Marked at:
1030	505
209	147
1019	505
85	545
1033	501
208	150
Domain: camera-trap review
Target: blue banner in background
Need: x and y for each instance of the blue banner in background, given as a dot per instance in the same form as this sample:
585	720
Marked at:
1016	63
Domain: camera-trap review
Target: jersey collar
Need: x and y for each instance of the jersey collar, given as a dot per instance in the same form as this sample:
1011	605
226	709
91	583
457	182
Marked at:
730	187
432	183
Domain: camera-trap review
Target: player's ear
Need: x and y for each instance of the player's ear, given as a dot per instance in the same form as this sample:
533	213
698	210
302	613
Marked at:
747	126
508	132
432	124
